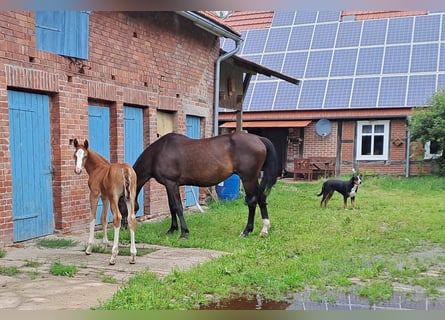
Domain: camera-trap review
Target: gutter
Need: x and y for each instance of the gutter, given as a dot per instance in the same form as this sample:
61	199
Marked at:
219	31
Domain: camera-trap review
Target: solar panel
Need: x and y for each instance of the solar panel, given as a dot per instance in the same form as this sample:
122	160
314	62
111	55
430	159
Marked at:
365	92
370	61
295	64
373	32
301	37
255	40
283	18
277	40
400	30
327	16
338	93
287	96
426	28
442	57
396	59
424	57
304	17
263	95
324	35
393	91
271	61
388	62
420	89
318	64
312	94
343	63
348	34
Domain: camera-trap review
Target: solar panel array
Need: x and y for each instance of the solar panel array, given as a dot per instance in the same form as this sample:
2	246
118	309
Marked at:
393	62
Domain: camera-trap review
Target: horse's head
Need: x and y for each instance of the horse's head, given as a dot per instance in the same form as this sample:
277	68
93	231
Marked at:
80	155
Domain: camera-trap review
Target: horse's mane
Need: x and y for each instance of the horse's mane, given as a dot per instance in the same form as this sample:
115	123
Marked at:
98	156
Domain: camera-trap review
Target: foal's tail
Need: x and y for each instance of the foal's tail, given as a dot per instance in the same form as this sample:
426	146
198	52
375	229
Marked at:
126	175
270	167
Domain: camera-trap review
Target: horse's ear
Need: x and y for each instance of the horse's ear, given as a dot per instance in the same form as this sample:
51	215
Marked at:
85	144
75	143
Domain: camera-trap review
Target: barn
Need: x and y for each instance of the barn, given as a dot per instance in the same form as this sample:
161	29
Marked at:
362	73
119	79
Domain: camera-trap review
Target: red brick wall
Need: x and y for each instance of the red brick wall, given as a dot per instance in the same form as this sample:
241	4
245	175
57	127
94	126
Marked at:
313	145
135	58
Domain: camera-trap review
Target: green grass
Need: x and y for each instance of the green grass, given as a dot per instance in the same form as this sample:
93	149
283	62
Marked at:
59	269
56	243
396	235
9	271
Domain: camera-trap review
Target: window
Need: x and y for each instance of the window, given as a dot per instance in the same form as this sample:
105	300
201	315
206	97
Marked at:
63	32
372	140
432	150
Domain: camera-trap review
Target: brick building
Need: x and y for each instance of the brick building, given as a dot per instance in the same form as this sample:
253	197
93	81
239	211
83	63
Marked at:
120	79
361	72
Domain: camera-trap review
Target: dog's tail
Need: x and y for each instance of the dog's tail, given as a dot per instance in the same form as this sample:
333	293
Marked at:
321	192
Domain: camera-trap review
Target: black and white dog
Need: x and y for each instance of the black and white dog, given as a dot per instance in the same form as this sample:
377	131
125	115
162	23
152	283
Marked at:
346	188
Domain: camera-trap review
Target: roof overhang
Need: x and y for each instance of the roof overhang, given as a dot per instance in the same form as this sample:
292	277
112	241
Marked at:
269	124
254	68
371	113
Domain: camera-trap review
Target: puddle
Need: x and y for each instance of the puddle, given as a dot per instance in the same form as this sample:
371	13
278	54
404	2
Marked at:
246	304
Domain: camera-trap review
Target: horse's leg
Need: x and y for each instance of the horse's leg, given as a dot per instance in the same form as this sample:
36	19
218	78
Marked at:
104	222
176	210
250	187
94	198
117	217
264	215
132	223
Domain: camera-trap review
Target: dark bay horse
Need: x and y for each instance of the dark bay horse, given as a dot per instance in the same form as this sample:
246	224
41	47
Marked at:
108	181
175	160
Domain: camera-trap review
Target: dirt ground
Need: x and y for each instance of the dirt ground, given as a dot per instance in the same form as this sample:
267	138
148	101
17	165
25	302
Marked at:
35	288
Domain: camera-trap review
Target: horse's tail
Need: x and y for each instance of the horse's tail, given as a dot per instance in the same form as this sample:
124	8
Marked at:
126	175
270	167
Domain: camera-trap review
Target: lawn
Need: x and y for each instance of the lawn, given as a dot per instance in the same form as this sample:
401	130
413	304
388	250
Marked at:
396	236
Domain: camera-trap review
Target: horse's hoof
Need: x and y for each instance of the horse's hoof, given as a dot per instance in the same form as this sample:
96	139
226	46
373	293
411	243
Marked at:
264	234
112	263
243	235
88	253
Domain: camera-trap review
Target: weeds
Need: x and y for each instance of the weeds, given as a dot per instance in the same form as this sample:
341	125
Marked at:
59	269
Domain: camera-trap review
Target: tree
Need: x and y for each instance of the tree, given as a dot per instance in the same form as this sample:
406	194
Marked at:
428	124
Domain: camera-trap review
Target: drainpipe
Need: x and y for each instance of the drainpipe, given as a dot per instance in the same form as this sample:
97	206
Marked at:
217	81
408	148
218	31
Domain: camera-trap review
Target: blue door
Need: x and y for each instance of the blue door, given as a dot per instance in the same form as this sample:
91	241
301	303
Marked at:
30	145
134	142
193	130
99	140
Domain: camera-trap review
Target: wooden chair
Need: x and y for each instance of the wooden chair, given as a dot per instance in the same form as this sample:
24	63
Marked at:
302	166
324	166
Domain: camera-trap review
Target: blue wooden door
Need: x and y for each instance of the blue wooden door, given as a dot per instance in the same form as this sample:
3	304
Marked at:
134	142
30	145
99	140
193	130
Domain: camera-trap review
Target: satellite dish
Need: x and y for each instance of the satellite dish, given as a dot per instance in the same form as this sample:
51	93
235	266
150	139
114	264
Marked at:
323	127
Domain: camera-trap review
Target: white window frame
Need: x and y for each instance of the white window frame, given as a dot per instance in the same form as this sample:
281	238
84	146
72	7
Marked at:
360	134
428	155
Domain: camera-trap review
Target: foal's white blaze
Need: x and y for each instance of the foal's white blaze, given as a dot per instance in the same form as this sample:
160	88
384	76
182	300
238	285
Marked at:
266	226
79	159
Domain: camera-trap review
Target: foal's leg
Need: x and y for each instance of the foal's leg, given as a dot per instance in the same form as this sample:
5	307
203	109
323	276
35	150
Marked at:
132	223
117	217
104	221
176	210
94	198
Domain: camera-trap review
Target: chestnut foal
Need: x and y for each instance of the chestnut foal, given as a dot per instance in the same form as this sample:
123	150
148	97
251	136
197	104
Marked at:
108	181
